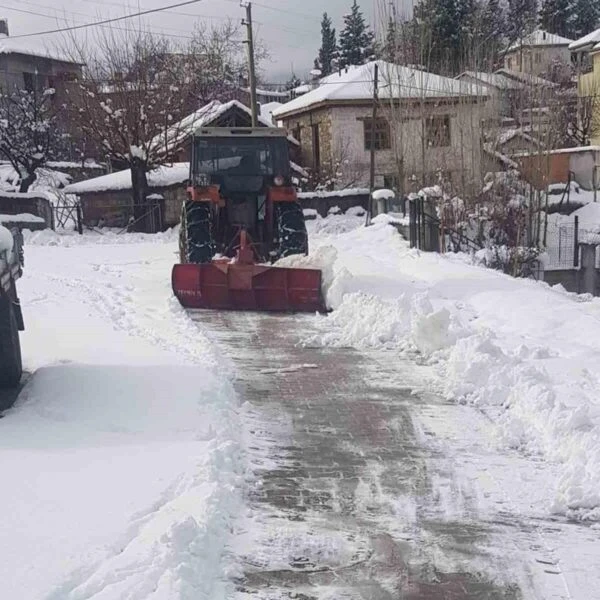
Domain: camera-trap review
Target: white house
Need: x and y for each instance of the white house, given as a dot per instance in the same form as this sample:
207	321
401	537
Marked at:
426	125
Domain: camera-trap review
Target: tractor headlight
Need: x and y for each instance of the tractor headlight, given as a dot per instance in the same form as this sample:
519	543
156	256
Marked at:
279	180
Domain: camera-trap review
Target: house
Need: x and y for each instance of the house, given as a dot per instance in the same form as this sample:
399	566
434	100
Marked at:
108	200
503	91
538	53
426	126
25	64
586	52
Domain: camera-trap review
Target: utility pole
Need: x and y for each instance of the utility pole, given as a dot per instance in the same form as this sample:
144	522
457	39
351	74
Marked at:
373	129
251	67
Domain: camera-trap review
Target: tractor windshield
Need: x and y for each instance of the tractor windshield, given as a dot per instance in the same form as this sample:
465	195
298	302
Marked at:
250	156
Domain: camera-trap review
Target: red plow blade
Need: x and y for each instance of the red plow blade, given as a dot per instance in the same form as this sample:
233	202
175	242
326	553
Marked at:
235	286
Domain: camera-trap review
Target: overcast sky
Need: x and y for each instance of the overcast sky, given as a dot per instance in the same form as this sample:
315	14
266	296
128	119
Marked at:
290	28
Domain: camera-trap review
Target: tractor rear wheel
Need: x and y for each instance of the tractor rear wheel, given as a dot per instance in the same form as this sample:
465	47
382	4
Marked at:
291	229
196	243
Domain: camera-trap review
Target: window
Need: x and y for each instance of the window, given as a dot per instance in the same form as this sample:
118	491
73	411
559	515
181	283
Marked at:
509	63
437	131
29	81
378	136
538	58
316	141
298	132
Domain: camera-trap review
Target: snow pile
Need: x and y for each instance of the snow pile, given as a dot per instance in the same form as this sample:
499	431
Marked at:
383	195
524	353
21	218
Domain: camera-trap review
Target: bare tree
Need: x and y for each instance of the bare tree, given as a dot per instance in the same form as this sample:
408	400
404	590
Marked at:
139	89
29	133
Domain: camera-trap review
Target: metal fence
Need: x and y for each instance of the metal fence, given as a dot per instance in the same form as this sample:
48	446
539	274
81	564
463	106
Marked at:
562	243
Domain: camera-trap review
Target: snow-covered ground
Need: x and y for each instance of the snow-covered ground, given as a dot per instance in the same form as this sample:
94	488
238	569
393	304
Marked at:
120	471
123	471
525	353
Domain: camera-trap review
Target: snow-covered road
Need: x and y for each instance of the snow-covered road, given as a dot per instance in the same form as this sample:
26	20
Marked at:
419	441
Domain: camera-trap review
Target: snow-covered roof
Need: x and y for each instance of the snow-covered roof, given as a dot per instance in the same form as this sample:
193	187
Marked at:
121	180
505	160
266	111
203	117
589	41
527	78
505	136
539	37
356	83
497	80
30	46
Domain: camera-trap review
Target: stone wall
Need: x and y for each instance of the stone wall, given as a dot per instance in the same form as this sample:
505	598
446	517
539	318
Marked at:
13	203
113	208
322	202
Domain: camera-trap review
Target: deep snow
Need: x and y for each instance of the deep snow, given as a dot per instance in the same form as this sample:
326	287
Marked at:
121	470
525	353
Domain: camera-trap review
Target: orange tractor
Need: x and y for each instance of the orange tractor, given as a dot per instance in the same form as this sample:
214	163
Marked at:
242	214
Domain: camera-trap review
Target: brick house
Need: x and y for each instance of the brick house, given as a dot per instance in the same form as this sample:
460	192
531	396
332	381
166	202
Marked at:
25	64
426	125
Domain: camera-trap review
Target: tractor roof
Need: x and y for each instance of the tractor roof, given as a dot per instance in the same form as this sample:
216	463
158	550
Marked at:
255	132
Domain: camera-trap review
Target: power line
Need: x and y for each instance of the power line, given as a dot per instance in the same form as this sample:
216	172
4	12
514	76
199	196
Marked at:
106	21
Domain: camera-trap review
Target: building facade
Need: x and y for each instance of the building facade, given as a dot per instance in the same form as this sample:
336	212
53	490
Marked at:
538	53
425	130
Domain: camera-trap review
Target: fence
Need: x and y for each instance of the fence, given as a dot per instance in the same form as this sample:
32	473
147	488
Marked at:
149	217
563	241
427	232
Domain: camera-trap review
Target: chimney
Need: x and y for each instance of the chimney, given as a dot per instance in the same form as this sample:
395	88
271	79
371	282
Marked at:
3	27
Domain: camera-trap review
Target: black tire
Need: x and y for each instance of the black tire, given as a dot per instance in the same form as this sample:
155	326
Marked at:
196	243
291	229
11	366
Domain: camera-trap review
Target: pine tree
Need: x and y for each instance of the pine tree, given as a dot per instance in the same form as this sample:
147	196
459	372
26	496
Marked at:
328	50
493	29
390	46
356	39
522	18
555	17
586	17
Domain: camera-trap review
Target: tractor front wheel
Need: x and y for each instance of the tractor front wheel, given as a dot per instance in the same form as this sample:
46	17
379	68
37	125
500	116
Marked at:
291	229
196	243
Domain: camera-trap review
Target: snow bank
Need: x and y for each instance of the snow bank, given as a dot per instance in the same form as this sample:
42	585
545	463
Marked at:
21	218
522	352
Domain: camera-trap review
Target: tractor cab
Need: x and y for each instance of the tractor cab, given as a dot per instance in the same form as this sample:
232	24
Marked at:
240	180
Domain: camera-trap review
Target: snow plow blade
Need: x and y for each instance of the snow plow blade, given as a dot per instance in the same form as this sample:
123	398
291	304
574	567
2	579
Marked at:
235	286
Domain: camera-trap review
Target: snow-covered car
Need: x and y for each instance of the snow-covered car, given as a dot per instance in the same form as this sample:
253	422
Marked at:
11	317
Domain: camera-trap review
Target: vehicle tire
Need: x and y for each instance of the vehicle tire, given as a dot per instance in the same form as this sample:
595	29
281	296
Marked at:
291	229
196	243
11	366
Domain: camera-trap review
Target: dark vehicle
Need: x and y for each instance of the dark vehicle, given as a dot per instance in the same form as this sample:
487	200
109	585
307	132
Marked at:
11	318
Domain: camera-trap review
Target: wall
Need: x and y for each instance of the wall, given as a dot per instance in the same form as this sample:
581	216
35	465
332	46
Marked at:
15	204
543	169
304	125
323	201
408	155
589	85
524	60
570	279
13	66
115	208
498	104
